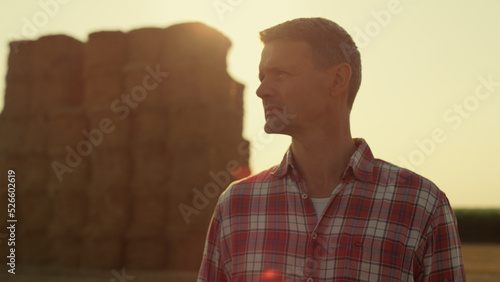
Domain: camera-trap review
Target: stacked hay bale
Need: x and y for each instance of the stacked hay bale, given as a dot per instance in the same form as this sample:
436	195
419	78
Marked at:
121	145
108	211
57	96
145	239
44	95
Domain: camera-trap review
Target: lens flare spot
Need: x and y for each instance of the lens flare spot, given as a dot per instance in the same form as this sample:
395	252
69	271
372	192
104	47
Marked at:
271	275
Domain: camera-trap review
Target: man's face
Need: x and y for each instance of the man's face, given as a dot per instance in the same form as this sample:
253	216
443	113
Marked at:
293	91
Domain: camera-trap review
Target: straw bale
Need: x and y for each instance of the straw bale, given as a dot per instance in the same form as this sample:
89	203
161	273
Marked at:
20	61
35	213
98	253
185	248
144	45
12	132
144	231
34	170
190	203
150	127
142	84
148	253
105	52
194	44
56	94
109	169
65	251
193	121
192	159
101	91
58	57
218	85
152	166
227	127
64	128
33	250
35	136
69	213
115	131
183	86
108	214
150	209
18	95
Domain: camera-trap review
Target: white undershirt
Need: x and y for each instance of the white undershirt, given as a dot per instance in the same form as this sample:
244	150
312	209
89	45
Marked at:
320	205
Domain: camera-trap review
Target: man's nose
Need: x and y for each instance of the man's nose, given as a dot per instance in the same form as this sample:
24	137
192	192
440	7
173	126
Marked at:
265	89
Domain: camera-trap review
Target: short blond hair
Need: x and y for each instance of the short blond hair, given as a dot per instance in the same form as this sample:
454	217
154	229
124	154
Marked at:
329	42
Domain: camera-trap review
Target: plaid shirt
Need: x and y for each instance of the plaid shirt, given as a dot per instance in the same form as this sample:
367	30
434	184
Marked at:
383	223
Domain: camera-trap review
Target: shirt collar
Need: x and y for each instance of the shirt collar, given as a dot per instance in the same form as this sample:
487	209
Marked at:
285	166
360	164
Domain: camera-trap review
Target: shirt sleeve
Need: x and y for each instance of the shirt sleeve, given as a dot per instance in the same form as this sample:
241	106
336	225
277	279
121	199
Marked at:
211	269
442	255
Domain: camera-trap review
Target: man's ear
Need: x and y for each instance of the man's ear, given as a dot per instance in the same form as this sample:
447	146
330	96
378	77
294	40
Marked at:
341	76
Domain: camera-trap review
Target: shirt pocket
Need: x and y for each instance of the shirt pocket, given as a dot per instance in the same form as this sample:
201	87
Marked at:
356	255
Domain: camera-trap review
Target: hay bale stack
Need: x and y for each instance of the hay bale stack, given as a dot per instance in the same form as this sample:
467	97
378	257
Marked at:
110	137
20	76
105	54
57	73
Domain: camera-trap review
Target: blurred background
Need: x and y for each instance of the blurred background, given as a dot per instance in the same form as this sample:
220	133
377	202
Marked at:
422	62
428	100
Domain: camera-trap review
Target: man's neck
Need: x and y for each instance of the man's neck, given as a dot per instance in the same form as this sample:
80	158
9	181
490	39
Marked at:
321	160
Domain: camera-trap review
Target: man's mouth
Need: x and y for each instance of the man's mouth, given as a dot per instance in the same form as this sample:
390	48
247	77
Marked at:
271	110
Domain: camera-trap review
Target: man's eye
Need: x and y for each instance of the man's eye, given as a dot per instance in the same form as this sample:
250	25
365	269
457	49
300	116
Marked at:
281	75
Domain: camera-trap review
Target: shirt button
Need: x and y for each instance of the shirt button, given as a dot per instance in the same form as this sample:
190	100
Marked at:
310	279
314	235
304	196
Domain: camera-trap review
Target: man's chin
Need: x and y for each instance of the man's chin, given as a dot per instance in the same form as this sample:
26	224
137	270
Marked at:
274	125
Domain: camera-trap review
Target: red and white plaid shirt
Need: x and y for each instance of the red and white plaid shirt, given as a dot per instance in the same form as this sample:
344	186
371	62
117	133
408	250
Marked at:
383	223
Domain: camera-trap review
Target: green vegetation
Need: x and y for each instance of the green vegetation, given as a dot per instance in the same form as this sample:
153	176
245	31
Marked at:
478	225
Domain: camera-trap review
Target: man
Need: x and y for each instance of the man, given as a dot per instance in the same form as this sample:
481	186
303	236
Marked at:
330	211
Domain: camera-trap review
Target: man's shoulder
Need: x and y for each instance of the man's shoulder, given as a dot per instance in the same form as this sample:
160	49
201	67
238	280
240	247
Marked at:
390	170
367	168
406	181
248	185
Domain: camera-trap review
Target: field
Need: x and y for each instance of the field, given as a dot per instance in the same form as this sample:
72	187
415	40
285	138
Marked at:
482	264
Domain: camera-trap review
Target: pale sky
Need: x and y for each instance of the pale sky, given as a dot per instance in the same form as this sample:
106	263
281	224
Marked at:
430	93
